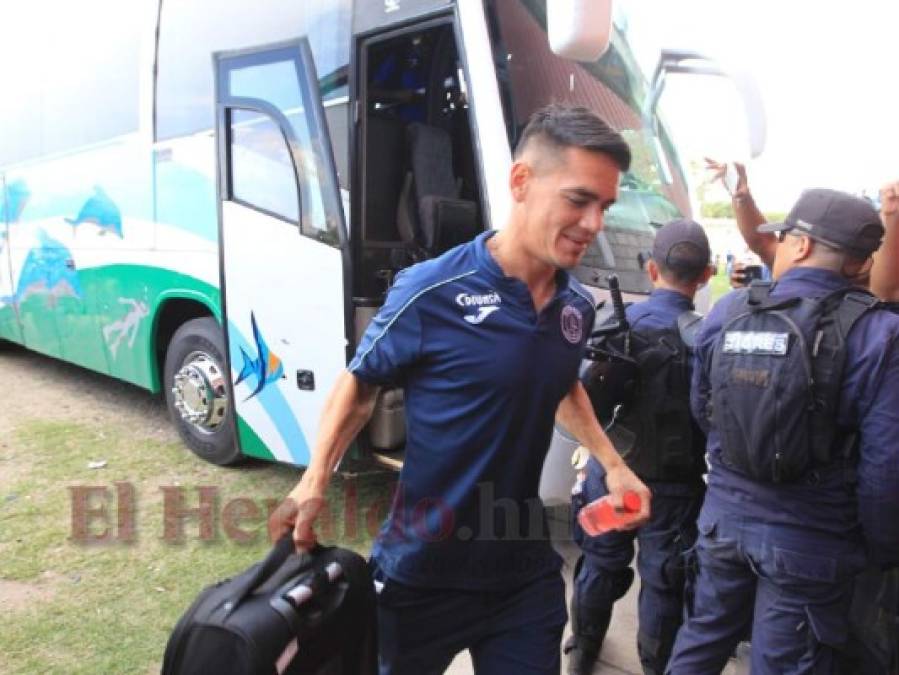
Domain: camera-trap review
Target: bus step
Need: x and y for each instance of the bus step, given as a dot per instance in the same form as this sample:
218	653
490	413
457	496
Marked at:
392	460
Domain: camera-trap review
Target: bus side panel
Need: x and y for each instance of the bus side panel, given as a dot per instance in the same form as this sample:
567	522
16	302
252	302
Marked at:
90	265
129	328
11	203
83	210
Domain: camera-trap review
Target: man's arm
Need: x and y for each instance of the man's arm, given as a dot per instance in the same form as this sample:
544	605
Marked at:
878	468
885	268
747	214
576	414
348	408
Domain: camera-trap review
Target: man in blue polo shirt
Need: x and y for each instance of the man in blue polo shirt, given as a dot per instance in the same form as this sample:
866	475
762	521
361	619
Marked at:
486	341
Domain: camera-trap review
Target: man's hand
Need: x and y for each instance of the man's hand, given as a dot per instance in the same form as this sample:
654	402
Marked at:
620	479
718	169
884	280
738	276
889	204
297	513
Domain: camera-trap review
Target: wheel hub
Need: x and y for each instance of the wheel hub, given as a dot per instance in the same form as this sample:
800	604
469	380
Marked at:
199	392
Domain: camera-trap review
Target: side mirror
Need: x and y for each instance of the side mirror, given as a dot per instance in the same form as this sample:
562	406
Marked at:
579	29
692	63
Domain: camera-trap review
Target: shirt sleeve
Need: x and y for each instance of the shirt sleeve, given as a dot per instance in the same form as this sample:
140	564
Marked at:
702	355
392	342
878	468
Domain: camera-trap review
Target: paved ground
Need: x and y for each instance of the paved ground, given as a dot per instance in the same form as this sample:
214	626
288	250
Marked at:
619	653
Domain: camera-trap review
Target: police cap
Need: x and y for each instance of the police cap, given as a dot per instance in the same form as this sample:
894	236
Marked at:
835	218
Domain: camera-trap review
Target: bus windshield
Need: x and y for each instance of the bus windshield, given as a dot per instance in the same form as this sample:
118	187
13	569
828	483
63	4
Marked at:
530	76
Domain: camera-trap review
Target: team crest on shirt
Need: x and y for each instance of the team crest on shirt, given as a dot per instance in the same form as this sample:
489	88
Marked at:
572	324
478	306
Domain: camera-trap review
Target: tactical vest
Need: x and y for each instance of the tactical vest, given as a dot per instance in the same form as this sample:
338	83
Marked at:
639	385
775	376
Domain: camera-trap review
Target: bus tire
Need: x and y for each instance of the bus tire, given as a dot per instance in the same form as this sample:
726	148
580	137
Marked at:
198	391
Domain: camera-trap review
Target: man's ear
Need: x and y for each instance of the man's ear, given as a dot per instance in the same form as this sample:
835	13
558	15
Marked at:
707	274
519	180
652	269
803	248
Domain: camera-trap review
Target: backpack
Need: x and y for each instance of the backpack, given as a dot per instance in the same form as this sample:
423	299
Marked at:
775	376
307	614
639	385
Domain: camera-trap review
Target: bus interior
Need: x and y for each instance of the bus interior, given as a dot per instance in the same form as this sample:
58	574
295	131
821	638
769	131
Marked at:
414	109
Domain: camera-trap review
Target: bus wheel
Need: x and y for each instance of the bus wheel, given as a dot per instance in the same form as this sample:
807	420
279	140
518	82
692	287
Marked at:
197	391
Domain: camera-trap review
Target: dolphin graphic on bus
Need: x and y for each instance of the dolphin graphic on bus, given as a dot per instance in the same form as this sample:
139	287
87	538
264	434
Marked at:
102	212
48	271
13	202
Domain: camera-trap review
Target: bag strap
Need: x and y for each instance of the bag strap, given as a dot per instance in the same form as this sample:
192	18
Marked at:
282	550
759	292
843	309
855	304
688	324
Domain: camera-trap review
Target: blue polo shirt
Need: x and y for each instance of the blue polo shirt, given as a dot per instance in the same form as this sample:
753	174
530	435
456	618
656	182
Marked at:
869	401
483	374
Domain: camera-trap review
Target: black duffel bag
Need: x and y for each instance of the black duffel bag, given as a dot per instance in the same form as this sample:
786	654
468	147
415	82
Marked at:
293	614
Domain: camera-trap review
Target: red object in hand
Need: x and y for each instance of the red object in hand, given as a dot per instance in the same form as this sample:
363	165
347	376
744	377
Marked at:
600	516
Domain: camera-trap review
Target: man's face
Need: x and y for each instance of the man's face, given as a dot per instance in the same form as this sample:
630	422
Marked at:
791	249
564	200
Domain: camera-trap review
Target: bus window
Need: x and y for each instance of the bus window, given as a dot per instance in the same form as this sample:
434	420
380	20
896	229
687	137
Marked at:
190	31
274	79
614	87
262	173
74	86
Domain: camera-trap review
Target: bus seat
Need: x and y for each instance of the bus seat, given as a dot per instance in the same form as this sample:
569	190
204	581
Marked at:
385	138
430	210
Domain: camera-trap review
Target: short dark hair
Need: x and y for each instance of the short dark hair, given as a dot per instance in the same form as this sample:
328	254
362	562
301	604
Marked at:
684	264
563	126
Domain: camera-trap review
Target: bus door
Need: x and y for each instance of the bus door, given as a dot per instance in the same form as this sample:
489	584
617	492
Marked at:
283	241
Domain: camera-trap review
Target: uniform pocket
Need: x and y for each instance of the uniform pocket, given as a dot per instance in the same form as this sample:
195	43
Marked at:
828	625
804	566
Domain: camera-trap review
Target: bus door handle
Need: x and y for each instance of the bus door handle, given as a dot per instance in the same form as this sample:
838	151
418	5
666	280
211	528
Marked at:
306	380
70	264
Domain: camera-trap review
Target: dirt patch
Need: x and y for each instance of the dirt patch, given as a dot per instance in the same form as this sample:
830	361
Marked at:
18	595
39	387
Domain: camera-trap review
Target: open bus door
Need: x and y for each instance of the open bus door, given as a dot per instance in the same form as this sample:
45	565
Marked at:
283	243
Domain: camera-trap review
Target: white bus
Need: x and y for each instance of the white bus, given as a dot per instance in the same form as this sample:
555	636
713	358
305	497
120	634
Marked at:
210	198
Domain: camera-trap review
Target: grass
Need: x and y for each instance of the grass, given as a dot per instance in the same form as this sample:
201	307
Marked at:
108	607
719	285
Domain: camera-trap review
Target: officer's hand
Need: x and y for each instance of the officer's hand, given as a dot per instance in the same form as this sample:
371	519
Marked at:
621	479
717	170
889	204
298	513
738	275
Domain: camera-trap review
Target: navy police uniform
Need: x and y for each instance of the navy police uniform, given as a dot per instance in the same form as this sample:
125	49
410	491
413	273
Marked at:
603	573
782	556
464	556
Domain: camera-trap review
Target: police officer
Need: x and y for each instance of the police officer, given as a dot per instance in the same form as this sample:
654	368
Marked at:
487	340
799	386
663	445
